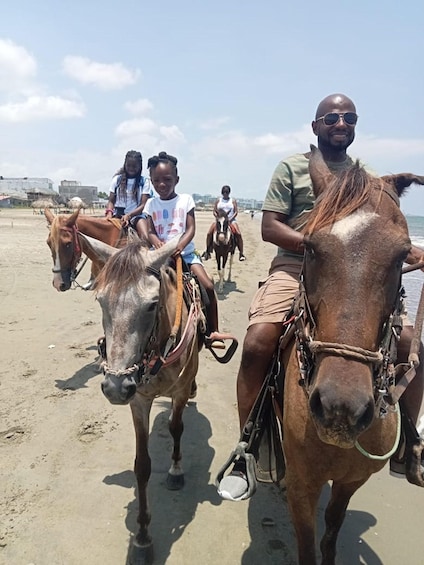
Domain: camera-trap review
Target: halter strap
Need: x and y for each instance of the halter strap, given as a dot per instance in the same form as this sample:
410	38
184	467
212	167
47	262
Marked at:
77	248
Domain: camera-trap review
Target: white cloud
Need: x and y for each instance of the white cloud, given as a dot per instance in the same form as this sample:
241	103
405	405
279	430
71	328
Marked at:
41	108
238	144
214	123
374	147
148	136
171	133
135	127
112	76
17	66
140	106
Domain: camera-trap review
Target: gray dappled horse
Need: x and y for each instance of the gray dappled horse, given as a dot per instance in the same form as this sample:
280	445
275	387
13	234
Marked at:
224	245
138	296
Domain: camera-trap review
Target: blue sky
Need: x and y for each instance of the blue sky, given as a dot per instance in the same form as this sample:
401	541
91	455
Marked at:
229	87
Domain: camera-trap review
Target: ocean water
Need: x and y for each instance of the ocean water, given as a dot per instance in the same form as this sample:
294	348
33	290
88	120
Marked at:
413	282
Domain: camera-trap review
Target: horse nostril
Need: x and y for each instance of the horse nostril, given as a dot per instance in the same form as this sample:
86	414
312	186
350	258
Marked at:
315	405
367	416
62	287
131	390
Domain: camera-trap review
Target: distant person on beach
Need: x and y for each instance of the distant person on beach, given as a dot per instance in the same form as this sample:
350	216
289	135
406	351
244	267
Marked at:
289	196
228	205
129	190
170	215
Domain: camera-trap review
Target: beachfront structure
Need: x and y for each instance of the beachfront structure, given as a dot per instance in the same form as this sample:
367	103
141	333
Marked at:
28	187
71	188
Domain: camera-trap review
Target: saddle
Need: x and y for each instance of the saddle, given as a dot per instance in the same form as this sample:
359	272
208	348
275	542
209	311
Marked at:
206	336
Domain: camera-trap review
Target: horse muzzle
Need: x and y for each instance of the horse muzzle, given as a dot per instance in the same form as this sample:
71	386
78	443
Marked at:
119	390
341	410
62	279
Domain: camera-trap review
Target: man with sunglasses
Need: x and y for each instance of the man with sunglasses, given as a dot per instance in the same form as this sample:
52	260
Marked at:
289	199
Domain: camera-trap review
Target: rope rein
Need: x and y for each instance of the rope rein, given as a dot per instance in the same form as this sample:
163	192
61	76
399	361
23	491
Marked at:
344	350
395	444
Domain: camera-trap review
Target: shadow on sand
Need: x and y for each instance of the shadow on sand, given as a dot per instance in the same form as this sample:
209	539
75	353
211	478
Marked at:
229	287
82	376
172	511
273	539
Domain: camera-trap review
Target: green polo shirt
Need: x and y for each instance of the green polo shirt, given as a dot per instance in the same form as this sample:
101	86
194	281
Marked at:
290	191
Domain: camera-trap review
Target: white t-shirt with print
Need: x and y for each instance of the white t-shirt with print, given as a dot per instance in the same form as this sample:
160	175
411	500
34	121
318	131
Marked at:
170	217
128	200
227	205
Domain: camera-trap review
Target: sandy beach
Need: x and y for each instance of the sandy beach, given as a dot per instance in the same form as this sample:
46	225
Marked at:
67	492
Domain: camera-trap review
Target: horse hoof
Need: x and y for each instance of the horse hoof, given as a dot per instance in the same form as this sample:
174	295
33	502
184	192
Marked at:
193	390
141	554
174	482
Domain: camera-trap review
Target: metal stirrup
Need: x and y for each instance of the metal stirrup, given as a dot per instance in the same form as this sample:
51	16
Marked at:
240	453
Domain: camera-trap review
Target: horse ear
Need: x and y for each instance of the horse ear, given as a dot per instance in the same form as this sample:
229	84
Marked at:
320	173
49	215
72	220
102	251
402	181
158	257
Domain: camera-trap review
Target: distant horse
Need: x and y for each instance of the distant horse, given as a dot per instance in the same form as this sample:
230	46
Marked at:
153	337
224	245
67	246
338	423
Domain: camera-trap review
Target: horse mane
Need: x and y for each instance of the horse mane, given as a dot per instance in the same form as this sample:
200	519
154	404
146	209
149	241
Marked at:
348	191
222	213
126	268
123	269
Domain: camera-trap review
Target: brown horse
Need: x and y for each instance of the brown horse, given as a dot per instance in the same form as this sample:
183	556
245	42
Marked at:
153	337
339	424
67	246
224	245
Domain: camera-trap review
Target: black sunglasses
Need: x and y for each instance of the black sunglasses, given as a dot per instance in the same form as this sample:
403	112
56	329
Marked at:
332	118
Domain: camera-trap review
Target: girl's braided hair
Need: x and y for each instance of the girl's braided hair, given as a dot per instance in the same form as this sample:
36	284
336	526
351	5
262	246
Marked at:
162	157
136	155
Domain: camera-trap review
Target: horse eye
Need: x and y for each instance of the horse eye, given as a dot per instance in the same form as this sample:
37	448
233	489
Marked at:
152	306
68	245
310	251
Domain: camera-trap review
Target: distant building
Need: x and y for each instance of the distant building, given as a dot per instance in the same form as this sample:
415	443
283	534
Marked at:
27	188
13	201
70	188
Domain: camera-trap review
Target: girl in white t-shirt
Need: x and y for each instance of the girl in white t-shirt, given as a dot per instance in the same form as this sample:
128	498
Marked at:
229	206
129	190
170	215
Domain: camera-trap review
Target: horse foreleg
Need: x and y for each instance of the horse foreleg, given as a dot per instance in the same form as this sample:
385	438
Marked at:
175	478
220	268
142	551
230	267
302	499
334	517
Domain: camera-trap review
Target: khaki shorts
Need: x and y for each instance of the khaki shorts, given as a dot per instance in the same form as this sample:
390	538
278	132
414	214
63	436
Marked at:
275	294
